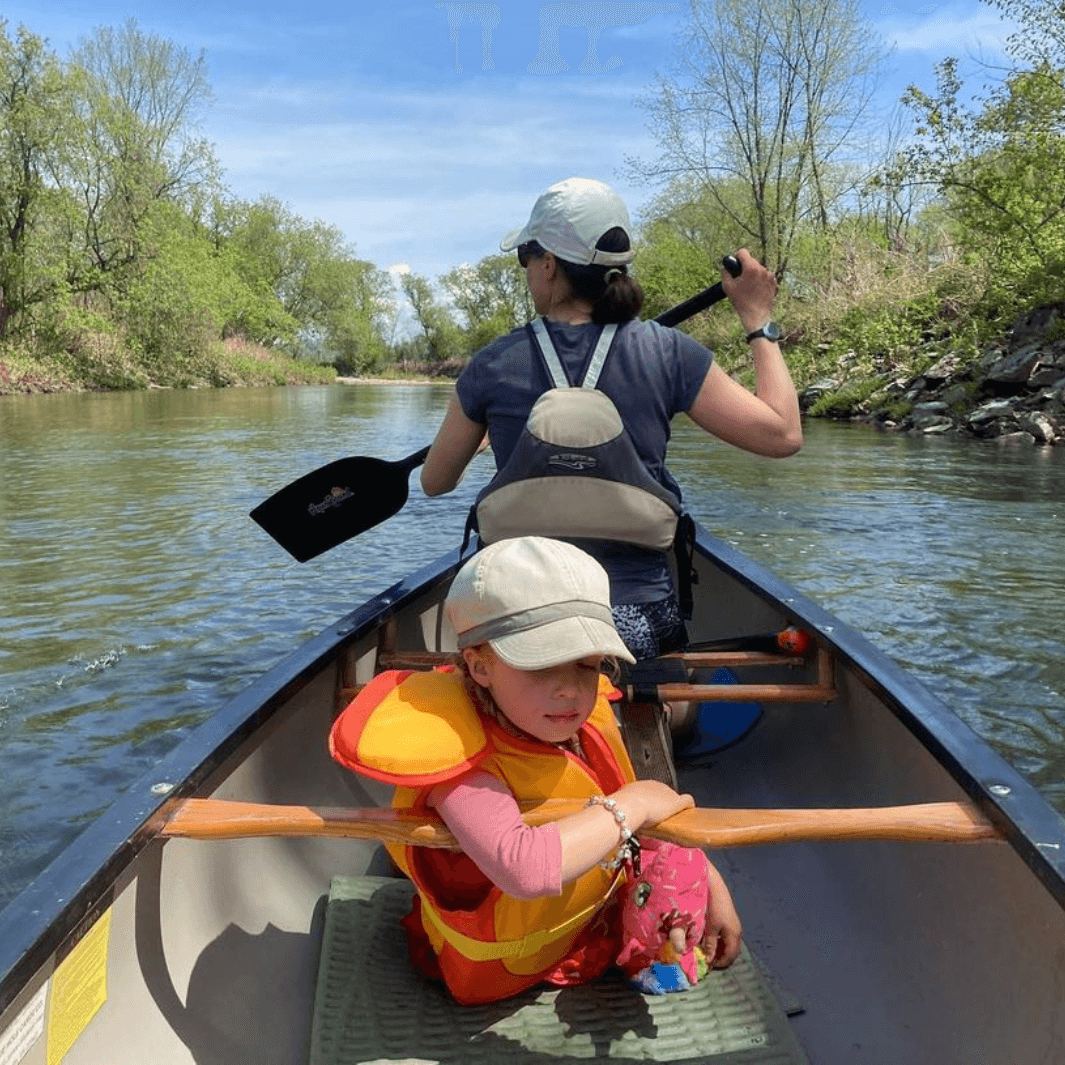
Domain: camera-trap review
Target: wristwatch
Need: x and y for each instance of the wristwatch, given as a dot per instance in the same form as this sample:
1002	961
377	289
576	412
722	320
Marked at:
770	330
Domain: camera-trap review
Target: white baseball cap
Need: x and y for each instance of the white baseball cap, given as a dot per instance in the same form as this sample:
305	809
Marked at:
571	218
536	602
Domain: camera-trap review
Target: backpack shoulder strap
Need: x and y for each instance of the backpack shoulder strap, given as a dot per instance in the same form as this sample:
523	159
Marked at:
602	347
554	364
550	356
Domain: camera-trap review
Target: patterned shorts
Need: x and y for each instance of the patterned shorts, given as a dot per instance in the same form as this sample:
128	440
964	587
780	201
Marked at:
650	629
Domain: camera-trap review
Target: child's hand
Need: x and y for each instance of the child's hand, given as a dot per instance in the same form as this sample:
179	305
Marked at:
721	940
646	802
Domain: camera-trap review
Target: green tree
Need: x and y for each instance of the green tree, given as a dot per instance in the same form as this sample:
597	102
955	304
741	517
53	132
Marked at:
340	303
768	96
492	296
996	163
683	239
140	98
1040	40
34	108
442	338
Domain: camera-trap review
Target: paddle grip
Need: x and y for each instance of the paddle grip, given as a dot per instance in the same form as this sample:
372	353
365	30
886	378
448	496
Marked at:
701	300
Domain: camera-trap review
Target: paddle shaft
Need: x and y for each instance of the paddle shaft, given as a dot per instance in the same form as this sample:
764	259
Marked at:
208	819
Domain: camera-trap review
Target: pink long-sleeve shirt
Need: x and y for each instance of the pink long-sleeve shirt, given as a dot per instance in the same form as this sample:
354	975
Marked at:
483	815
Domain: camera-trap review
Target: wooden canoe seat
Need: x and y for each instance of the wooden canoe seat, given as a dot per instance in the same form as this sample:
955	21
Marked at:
671	688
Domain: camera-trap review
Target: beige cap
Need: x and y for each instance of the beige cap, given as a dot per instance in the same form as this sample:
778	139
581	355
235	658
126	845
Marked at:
536	602
570	219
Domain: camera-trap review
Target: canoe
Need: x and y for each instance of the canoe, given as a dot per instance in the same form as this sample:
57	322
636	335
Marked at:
883	945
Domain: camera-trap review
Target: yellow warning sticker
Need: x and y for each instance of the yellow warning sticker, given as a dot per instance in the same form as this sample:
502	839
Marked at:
79	989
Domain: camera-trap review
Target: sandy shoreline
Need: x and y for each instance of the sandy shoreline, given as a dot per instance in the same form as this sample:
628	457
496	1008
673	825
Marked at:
394	381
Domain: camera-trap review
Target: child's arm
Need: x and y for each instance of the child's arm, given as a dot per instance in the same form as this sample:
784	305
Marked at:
529	863
721	940
594	834
484	817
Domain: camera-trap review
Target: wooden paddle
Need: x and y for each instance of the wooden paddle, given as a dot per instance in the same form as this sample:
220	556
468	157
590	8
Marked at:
930	822
336	502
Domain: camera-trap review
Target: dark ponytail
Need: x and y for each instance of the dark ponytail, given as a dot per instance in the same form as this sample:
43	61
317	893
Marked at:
614	295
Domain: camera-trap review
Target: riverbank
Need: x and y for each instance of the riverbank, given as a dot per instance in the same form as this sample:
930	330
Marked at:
99	363
1013	390
412	380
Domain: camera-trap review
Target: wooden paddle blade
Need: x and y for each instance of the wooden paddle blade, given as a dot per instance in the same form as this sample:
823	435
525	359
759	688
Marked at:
931	822
336	502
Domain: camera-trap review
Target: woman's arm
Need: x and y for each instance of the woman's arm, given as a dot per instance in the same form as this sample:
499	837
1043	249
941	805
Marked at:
457	441
768	422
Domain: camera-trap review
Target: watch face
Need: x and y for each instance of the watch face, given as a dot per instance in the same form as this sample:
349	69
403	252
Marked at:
771	331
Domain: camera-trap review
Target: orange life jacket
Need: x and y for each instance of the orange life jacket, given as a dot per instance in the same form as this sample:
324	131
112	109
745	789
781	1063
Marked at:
418	730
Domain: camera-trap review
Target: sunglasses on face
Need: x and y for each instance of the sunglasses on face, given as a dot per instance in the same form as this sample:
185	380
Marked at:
529	250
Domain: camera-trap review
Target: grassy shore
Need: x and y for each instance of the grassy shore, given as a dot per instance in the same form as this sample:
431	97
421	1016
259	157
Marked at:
98	363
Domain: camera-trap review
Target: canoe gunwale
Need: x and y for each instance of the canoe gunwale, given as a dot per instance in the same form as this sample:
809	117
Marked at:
1032	827
77	879
41	918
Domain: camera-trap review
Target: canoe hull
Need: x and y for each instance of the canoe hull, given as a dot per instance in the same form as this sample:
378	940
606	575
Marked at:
902	952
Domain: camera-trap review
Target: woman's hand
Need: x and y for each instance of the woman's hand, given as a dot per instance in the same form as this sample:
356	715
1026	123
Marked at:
753	293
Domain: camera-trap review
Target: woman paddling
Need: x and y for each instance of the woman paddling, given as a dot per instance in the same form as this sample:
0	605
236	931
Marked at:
595	474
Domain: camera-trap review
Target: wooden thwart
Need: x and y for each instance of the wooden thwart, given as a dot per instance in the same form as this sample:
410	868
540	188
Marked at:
822	690
216	819
689	659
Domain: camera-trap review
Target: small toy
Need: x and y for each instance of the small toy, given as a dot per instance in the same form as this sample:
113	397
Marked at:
663	918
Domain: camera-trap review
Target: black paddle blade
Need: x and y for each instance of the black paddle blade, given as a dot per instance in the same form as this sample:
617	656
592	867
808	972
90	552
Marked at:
336	502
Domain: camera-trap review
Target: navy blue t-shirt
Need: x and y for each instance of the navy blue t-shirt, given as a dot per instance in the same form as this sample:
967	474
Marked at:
651	374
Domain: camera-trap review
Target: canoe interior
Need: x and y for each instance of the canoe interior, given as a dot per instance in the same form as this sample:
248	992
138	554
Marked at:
908	953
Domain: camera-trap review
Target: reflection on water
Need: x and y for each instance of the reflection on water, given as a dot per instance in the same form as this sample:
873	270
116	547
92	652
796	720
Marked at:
136	595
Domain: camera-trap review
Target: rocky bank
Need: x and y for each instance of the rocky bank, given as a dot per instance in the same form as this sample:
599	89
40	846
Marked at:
1014	392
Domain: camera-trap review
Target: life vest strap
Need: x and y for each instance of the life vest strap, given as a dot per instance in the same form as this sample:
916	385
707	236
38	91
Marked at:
533	943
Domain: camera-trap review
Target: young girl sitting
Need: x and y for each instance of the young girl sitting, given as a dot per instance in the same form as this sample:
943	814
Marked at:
525	716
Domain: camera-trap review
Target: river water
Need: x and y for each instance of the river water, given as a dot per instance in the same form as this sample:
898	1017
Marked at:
136	595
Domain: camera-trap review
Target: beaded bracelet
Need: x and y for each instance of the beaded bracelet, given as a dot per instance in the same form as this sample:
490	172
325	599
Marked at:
630	845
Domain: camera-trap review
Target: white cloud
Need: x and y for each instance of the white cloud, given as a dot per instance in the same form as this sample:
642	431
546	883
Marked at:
946	30
424	179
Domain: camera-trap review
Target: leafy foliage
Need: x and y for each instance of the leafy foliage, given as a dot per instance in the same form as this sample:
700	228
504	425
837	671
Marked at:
761	108
996	166
123	262
492	296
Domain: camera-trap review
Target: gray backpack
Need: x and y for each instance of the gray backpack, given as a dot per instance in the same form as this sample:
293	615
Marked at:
575	472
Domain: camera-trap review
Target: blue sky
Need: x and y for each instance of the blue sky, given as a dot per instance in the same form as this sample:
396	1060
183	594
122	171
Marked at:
356	113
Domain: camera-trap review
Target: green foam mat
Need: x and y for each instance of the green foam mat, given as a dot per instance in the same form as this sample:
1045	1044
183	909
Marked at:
372	1008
